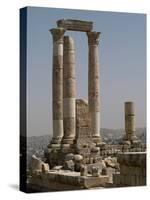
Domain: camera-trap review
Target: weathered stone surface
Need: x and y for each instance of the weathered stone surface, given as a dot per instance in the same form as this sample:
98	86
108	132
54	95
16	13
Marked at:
104	171
132	165
82	117
45	168
95	149
93	86
95	171
83	140
132	158
78	158
57	34
66	180
130	121
69	91
69	128
57	167
36	164
111	162
83	170
75	25
69	156
69	165
77	166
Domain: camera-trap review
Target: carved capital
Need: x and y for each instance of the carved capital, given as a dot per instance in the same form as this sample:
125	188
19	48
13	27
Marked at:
57	34
93	37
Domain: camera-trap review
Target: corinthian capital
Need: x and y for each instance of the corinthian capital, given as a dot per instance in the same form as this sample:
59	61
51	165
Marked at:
93	37
57	34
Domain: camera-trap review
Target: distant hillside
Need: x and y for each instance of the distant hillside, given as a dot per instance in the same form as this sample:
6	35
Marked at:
37	144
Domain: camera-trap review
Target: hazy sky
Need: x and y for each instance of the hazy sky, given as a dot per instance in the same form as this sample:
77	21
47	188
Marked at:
122	52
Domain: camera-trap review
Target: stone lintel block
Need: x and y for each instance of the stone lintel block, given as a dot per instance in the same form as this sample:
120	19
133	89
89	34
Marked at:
75	25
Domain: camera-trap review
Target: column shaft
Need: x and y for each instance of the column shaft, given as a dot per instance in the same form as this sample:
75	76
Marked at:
93	85
130	121
57	93
69	91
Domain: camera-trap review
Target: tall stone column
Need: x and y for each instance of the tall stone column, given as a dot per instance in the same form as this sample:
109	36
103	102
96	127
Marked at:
130	121
57	82
93	85
69	91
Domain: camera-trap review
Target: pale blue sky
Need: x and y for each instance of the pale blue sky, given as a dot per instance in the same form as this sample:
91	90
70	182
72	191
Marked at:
122	53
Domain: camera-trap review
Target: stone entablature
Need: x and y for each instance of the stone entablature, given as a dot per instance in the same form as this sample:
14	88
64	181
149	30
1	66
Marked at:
75	25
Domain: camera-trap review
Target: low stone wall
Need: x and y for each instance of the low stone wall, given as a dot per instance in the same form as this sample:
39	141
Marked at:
65	180
132	169
108	150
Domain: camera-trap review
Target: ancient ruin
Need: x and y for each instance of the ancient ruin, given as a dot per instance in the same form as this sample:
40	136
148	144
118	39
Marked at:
76	157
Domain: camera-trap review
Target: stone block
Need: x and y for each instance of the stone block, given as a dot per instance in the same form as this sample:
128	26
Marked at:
45	168
36	164
75	25
69	156
78	158
104	171
69	165
82	116
83	170
95	171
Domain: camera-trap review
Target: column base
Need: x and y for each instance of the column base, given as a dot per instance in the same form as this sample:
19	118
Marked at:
69	140
55	142
130	138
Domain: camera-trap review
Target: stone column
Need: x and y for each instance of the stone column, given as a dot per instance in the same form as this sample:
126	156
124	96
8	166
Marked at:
93	85
69	91
57	89
130	121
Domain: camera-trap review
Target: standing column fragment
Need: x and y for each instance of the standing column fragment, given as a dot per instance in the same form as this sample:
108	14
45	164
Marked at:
130	121
93	85
69	91
57	93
